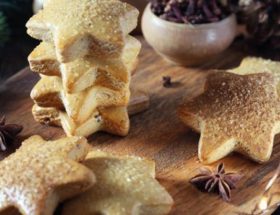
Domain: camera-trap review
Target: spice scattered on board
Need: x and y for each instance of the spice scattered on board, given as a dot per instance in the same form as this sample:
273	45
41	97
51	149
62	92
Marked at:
8	133
216	181
167	81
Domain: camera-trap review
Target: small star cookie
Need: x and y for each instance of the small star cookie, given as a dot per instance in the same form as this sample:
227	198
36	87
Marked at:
125	185
40	174
85	72
77	27
235	113
49	92
114	120
253	65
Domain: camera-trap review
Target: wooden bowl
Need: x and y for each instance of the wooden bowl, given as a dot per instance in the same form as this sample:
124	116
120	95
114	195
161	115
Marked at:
188	45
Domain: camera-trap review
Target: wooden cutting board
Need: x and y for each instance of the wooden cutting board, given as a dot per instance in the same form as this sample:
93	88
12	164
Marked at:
158	133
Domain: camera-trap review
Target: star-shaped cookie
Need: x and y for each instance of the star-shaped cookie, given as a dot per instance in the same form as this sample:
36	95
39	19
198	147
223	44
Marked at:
125	185
49	92
40	174
114	120
85	72
253	65
235	113
78	26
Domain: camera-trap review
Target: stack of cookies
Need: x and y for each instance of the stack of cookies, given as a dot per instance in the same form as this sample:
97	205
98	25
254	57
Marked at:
85	63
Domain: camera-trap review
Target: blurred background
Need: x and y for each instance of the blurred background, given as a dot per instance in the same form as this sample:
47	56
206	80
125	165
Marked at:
15	44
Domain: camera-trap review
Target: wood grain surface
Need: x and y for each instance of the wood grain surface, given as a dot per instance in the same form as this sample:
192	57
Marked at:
158	134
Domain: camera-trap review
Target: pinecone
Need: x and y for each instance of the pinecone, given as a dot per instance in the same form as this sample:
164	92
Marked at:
262	21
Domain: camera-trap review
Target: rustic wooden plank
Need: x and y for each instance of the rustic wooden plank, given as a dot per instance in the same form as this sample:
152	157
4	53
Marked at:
158	133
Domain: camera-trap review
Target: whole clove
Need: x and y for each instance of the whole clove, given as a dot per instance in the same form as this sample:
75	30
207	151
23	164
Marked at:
167	81
190	11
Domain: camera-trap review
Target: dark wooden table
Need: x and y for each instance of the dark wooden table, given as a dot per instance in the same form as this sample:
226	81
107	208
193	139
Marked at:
158	133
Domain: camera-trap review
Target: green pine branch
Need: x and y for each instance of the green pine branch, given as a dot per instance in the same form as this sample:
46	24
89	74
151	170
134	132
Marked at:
4	30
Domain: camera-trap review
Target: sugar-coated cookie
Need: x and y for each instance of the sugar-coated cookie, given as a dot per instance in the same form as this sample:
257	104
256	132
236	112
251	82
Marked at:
113	120
84	27
87	71
235	113
253	65
125	186
49	92
40	174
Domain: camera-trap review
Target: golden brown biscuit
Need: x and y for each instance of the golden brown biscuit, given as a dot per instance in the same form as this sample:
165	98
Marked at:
46	115
252	65
43	60
84	27
83	73
42	173
113	120
235	113
49	92
125	185
46	93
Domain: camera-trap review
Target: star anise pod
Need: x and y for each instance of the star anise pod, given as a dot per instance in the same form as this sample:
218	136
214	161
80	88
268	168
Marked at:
216	181
8	132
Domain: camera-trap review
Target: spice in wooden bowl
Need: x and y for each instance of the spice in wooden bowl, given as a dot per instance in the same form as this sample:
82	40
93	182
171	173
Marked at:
190	11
